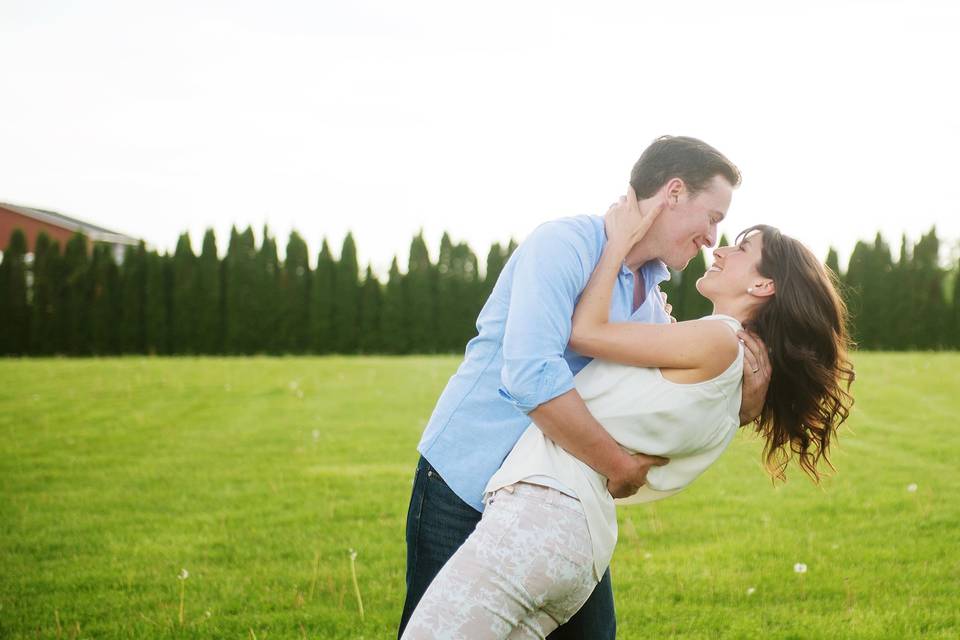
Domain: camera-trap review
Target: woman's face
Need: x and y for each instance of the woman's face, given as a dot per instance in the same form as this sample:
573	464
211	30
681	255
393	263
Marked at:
734	269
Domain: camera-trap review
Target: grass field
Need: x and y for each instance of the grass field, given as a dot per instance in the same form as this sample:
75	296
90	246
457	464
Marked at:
259	475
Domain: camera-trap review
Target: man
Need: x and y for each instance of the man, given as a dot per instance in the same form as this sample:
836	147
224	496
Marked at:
519	367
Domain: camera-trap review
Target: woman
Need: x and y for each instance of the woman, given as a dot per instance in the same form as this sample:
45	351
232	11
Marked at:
549	527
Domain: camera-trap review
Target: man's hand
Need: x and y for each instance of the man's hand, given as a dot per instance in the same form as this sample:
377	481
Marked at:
756	376
632	474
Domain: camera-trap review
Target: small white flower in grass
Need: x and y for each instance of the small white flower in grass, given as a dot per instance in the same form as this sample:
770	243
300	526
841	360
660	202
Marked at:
912	487
316	434
751	591
182	577
356	585
207	613
647	556
800	567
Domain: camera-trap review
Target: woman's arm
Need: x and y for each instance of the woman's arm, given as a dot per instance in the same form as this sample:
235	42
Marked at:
699	344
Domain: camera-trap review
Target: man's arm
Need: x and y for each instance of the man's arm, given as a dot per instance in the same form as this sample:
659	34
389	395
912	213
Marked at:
550	270
567	421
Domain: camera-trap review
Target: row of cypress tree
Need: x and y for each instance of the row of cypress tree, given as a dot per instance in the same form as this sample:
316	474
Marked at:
81	302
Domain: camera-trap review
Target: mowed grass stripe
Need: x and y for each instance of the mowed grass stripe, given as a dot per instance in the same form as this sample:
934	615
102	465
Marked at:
258	475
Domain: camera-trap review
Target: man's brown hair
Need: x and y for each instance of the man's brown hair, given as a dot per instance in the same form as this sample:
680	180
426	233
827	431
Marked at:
693	161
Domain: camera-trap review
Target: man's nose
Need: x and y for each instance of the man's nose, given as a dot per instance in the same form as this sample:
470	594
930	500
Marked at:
712	237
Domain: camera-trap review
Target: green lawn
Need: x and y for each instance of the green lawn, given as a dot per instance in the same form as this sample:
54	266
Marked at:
258	475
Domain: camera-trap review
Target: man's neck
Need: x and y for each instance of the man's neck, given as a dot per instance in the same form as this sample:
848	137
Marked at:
645	250
638	256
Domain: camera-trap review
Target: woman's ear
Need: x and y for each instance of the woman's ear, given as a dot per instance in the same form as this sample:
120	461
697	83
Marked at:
763	289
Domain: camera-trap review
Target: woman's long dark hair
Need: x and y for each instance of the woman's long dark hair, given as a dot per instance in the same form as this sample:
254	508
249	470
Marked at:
804	325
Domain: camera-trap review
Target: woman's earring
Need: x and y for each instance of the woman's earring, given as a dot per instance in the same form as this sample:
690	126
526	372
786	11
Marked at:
749	289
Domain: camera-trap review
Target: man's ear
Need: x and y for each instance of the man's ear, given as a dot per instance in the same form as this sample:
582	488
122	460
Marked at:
673	191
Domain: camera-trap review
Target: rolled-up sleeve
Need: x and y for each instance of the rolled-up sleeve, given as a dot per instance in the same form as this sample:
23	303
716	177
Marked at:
551	269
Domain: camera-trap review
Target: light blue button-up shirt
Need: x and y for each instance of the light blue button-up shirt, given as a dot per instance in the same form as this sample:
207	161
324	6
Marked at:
521	357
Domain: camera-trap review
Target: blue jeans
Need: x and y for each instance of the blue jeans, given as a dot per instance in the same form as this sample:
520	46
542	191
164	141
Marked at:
438	522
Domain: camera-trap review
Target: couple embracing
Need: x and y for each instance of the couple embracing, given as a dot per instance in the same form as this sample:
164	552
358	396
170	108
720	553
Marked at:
580	392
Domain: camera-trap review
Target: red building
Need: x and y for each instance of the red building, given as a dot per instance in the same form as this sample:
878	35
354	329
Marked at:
58	226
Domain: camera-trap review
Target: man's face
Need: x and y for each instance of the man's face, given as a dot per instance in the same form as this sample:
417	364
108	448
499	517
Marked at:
691	222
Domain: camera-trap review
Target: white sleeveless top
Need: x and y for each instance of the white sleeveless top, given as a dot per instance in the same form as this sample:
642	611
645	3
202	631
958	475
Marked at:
691	424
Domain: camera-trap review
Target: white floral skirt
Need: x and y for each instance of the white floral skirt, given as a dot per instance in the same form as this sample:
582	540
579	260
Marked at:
524	571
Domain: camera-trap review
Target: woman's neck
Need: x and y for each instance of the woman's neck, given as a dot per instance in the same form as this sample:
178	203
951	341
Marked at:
741	310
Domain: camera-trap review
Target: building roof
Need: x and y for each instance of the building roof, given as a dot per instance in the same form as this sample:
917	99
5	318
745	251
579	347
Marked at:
92	231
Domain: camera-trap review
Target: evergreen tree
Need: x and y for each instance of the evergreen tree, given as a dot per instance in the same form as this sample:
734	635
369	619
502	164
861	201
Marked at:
76	295
420	299
185	305
371	302
240	289
393	322
268	326
105	303
157	303
133	318
496	259
466	303
208	299
833	263
46	254
447	288
14	308
346	301
321	302
931	307
858	269
869	284
296	293
694	305
954	330
900	332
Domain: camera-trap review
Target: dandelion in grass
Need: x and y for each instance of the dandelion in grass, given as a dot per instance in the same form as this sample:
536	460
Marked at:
184	574
912	487
800	568
356	585
751	591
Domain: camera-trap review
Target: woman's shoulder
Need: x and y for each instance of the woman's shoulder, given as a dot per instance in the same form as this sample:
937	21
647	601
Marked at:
723	348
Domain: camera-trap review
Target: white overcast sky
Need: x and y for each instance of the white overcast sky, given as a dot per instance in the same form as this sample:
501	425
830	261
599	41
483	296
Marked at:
480	118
